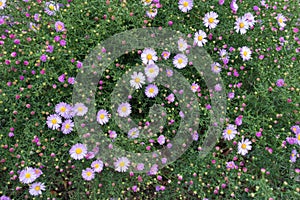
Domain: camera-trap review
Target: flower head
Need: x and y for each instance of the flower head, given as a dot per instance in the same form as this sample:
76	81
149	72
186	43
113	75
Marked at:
216	68
53	121
67	126
152	71
59	26
185	5
230	132
165	55
80	109
78	151
65	110
51	8
244	146
241	25
199	38
88	174
36	189
195	87
151	91
27	175
122	164
2	4
137	79
124	109
102	117
245	53
149	56
133	133
210	20
97	165
281	19
293	156
180	61
182	44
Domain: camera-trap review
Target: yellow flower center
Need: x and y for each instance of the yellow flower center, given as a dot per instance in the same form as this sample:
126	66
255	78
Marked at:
78	151
89	173
51	7
59	27
67	126
97	166
229	132
54	121
37	188
280	20
1	3
133	133
122	164
27	175
165	55
149	57
151	70
242	25
294	129
211	20
124	109
216	67
148	1
185	4
200	38
245	53
180	60
137	80
293	155
151	90
80	109
63	109
102	116
244	146
298	136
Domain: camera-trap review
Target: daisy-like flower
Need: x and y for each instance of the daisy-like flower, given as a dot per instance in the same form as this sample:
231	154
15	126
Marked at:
152	71
241	25
133	133
147	2
67	126
199	38
148	56
2	4
244	146
137	79
245	53
165	55
122	164
210	20
64	110
124	109
51	8
182	45
97	166
102	117
36	188
78	151
80	109
38	172
281	19
88	174
151	91
152	12
298	138
295	129
3	197
230	132
180	61
216	68
53	121
185	5
194	87
293	156
59	26
250	19
27	175
169	72
231	165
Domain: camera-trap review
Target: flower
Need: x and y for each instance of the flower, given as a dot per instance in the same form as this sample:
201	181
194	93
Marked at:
165	55
185	5
97	166
88	174
152	12
36	188
169	72
244	146
27	175
80	109
281	19
161	139
137	79
199	38
151	91
170	98
67	126
124	109
293	156
59	26
102	116
280	82
33	26
298	138
216	68
152	71
250	19
241	25
239	120
153	170
37	172
182	44
231	165
148	56
78	151
122	164
3	197
230	132
295	129
53	121
210	20
51	8
133	133
140	166
233	6
2	4
245	53
64	110
147	2
195	87
180	61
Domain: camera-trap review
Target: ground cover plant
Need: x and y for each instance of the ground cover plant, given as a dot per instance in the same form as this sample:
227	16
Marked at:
227	128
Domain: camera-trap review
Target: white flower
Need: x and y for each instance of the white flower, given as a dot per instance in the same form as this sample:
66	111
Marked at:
182	45
180	61
244	146
199	38
152	71
122	164
241	25
230	132
137	79
281	19
36	188
124	109
210	20
245	53
149	56
102	116
2	4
